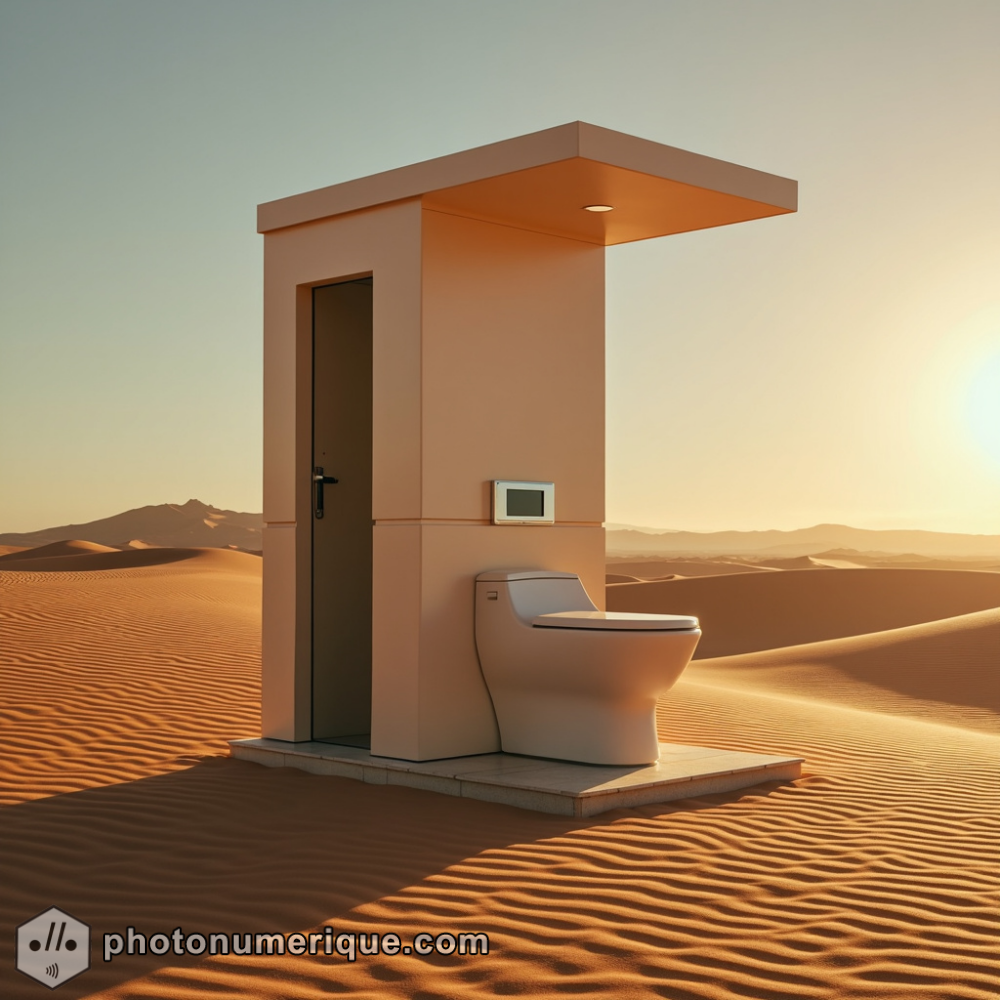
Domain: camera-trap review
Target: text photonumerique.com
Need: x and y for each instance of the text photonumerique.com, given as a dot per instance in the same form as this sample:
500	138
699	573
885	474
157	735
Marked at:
348	945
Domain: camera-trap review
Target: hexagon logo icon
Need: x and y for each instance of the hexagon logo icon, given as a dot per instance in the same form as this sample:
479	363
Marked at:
53	947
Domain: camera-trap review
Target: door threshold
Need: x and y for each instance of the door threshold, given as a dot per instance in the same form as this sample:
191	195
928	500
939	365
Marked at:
362	740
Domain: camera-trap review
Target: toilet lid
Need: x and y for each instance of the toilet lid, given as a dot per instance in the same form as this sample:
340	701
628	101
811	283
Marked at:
615	620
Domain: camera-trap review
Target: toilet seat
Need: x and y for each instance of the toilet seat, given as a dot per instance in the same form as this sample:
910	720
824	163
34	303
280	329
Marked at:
615	620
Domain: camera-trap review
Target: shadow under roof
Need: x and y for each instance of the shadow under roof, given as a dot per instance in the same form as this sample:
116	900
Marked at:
542	182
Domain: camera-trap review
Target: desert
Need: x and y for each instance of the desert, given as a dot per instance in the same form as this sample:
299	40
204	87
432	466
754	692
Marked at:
387	387
874	875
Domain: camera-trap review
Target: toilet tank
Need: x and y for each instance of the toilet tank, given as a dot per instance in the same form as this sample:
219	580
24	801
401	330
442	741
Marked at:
539	592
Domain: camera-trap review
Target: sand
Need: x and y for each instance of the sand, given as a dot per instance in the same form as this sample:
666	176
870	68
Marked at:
746	612
109	674
659	569
873	876
71	547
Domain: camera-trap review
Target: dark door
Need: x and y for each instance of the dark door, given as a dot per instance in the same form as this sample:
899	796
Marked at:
342	530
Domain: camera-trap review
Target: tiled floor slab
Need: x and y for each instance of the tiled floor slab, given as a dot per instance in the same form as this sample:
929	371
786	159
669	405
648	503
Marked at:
544	785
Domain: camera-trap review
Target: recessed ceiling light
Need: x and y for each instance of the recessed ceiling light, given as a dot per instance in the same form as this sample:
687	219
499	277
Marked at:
598	208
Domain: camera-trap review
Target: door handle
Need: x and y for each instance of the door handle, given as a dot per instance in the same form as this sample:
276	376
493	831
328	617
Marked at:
319	479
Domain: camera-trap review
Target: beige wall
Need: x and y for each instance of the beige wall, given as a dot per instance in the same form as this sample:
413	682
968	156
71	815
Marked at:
513	367
488	364
385	241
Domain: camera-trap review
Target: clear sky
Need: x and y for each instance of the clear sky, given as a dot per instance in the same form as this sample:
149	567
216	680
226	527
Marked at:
841	364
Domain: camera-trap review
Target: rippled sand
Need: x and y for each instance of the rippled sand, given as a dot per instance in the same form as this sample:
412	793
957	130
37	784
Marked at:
874	876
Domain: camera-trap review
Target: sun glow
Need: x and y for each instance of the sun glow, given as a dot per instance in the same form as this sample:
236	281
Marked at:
982	406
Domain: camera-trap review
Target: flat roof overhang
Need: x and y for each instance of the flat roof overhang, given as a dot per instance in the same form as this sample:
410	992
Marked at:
542	182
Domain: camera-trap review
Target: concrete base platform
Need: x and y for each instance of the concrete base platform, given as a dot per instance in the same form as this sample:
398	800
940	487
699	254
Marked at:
550	786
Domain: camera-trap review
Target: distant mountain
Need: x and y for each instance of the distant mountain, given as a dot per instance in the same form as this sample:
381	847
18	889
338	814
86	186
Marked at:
190	525
198	525
801	542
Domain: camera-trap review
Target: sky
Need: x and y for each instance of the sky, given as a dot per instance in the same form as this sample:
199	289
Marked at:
837	365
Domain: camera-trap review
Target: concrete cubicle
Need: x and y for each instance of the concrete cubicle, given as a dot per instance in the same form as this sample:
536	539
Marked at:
485	309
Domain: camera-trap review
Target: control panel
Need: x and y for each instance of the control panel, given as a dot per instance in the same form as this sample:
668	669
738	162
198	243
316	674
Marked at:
520	502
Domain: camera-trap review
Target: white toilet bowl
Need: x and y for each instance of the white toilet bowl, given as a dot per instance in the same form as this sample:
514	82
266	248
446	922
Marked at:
569	681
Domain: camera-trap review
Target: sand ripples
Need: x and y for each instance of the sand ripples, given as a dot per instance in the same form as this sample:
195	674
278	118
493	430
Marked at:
874	876
106	673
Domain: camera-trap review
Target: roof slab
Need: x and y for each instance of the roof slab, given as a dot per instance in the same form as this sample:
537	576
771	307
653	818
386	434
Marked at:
542	181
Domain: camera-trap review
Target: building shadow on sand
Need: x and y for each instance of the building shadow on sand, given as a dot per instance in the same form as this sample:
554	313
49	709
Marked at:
227	846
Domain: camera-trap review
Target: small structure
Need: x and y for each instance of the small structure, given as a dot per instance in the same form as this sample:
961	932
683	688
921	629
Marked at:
429	331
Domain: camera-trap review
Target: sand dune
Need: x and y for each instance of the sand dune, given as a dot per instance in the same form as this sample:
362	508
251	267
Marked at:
657	569
944	671
874	876
112	672
70	547
795	562
77	556
749	612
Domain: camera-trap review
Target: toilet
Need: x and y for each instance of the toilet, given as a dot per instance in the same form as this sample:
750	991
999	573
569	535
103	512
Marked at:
569	681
